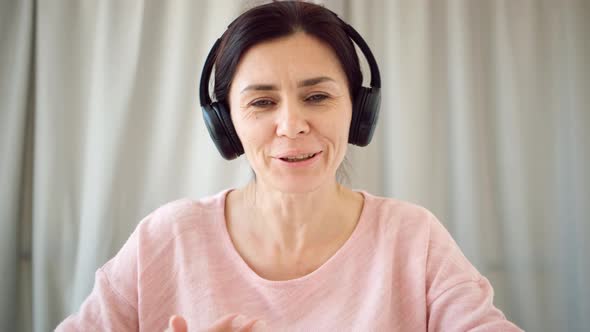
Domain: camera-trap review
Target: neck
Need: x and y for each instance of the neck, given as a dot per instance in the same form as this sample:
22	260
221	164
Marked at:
295	222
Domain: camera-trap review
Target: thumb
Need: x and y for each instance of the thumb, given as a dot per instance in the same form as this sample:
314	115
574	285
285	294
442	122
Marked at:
177	324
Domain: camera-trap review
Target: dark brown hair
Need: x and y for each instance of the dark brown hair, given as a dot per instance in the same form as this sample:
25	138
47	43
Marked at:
280	19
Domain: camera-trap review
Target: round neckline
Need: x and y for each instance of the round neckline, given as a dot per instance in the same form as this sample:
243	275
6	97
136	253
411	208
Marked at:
330	263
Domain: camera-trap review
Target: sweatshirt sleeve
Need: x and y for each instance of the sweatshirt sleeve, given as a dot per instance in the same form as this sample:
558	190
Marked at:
103	310
459	298
112	304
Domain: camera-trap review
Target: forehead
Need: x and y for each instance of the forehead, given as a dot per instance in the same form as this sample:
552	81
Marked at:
292	58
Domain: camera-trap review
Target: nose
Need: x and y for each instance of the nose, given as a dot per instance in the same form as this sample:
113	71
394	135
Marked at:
291	121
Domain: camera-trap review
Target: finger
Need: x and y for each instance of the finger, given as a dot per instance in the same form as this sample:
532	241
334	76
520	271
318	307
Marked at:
253	325
169	328
177	324
223	324
260	326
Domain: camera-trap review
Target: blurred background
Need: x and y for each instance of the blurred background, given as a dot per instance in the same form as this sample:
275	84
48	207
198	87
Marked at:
485	121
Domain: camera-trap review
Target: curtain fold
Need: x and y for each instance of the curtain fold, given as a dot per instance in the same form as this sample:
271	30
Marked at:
16	96
484	121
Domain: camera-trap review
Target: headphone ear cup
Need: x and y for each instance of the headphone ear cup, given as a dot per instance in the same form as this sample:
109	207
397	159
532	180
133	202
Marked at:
222	131
365	114
229	128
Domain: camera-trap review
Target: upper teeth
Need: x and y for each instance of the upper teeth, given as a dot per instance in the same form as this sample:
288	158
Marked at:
300	157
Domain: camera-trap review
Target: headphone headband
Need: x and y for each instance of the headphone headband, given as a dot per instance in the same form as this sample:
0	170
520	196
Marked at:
206	74
374	68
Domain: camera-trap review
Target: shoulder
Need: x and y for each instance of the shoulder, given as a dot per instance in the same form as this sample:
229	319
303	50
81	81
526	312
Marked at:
174	218
156	242
414	229
396	207
396	213
405	223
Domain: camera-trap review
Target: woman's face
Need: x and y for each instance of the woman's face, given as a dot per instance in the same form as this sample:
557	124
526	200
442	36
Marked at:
291	108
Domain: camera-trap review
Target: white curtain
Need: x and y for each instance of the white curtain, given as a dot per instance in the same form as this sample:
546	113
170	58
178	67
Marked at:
485	121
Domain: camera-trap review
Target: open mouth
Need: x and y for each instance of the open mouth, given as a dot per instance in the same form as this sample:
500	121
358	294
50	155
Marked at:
299	158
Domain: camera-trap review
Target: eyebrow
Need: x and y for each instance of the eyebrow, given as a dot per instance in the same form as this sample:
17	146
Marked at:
301	84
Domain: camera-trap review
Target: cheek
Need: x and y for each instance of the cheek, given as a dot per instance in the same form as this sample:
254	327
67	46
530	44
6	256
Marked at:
336	128
253	134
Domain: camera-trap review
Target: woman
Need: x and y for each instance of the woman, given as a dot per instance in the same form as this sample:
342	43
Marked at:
293	250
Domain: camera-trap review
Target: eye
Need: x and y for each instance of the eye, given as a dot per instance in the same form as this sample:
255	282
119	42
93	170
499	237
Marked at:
262	103
317	98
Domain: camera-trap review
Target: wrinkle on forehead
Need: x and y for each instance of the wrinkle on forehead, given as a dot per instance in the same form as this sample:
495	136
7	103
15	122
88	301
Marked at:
286	62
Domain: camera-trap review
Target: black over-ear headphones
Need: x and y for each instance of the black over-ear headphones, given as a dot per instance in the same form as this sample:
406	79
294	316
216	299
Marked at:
365	111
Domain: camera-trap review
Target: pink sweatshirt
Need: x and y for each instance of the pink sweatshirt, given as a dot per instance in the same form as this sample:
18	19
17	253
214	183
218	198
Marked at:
400	270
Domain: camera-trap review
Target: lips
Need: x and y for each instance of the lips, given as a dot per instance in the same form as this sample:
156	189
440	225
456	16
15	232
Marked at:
294	157
301	157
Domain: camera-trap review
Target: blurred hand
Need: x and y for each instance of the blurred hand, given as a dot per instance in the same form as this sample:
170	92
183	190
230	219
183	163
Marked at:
228	323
